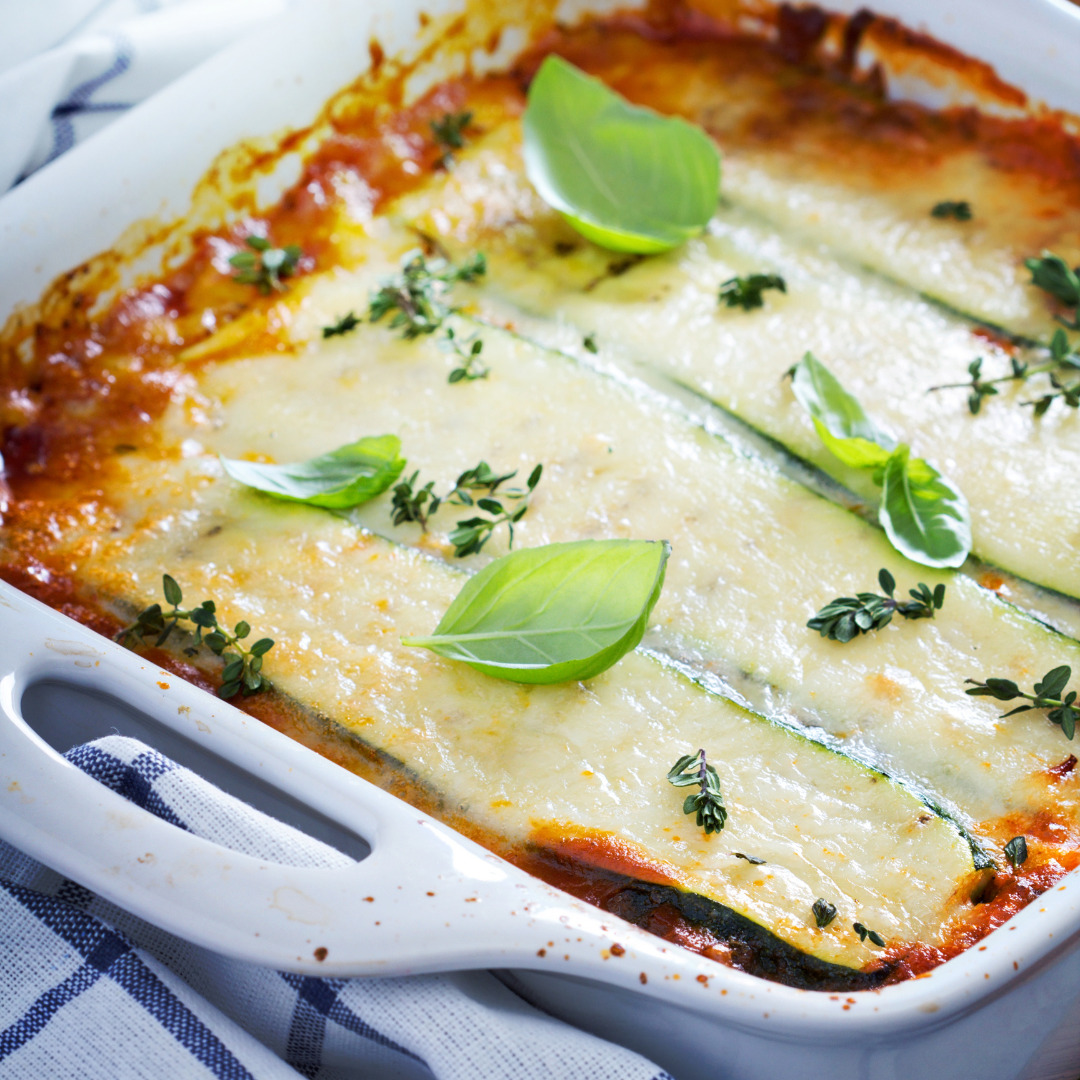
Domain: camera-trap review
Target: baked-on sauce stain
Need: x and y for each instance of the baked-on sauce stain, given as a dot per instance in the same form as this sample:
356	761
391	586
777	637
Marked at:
80	387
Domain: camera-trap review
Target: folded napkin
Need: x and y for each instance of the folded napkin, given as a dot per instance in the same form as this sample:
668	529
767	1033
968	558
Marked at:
96	60
88	990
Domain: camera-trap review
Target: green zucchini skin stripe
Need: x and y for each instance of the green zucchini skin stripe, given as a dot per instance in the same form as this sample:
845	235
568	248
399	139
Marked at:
754	949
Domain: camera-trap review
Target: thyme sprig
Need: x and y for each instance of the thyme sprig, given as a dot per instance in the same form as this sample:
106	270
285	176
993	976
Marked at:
957	209
1047	694
1062	360
470	368
416	295
471	534
449	133
345	325
707	803
243	667
417	504
265	265
848	616
745	292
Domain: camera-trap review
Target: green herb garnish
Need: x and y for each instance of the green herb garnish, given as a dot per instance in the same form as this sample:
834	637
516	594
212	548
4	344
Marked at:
924	516
345	477
848	616
417	294
559	613
470	368
449	133
411	503
1062	360
1053	275
824	913
708	802
624	177
753	860
745	292
958	210
1047	695
1016	851
864	933
345	325
265	265
417	504
471	534
243	667
588	343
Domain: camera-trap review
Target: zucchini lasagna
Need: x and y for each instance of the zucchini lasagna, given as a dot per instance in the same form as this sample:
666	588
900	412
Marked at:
412	285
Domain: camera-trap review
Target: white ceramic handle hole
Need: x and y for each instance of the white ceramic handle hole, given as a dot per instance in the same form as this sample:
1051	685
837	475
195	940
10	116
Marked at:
65	715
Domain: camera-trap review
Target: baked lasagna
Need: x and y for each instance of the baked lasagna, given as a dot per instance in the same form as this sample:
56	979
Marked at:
878	818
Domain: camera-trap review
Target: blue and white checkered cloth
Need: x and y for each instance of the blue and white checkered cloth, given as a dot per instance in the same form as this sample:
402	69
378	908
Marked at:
69	67
88	990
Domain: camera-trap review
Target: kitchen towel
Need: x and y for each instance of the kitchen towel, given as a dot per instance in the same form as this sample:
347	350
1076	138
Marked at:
69	67
88	990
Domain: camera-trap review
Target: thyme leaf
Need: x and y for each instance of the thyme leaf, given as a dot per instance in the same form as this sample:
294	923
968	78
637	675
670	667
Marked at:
1016	851
1047	694
824	913
848	616
416	296
864	933
470	368
957	209
243	667
345	325
745	292
264	265
707	804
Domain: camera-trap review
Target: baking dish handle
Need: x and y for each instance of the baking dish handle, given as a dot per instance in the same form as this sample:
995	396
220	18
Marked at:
425	899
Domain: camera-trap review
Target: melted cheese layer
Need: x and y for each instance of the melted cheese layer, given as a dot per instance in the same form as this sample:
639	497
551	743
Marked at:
571	759
887	345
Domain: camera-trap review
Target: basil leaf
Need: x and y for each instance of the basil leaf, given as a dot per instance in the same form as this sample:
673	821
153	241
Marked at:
347	476
843	426
924	516
559	613
625	177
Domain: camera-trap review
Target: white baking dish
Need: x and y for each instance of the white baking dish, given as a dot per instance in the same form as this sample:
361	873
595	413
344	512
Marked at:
1001	1011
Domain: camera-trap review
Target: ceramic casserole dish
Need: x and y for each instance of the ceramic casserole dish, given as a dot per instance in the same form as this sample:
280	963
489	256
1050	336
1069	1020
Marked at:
436	900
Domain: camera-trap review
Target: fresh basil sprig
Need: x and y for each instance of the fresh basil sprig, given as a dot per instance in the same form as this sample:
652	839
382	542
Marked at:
624	177
924	516
345	477
558	613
